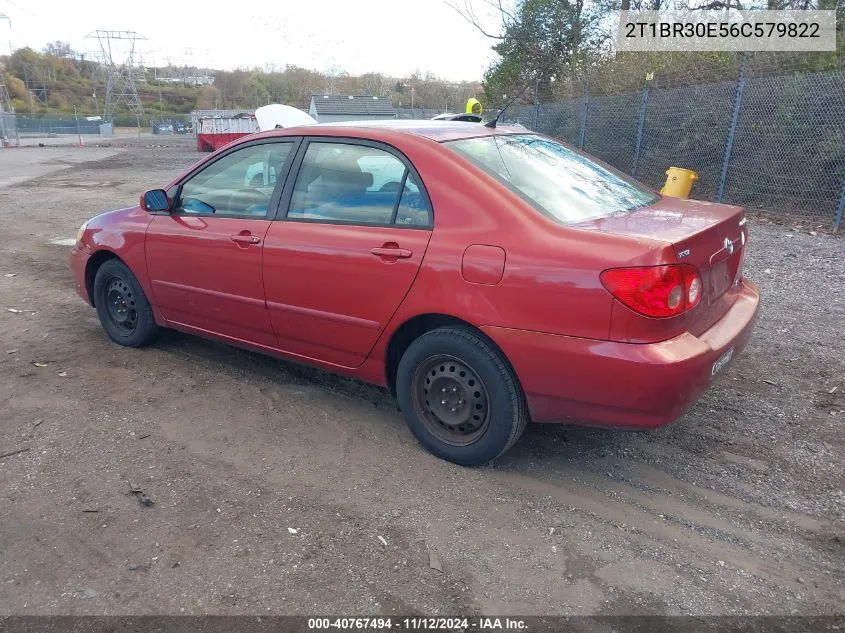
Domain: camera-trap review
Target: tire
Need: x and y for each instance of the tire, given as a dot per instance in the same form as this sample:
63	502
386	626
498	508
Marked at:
124	311
459	396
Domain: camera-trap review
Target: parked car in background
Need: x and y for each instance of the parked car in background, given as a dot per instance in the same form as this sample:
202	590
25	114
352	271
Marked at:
162	127
463	116
487	276
169	126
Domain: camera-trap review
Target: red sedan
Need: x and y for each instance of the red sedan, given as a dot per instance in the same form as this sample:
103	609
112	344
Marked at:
487	276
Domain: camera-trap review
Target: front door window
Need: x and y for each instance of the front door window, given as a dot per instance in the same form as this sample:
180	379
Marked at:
239	184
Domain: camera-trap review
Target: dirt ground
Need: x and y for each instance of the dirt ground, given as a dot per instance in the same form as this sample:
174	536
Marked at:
272	483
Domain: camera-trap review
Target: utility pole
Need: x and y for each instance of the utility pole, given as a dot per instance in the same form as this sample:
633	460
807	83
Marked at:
78	133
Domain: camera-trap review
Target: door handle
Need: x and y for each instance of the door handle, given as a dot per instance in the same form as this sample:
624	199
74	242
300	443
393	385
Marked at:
245	239
398	253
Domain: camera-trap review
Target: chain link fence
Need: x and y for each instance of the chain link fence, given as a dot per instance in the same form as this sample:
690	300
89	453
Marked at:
34	125
46	125
417	113
775	143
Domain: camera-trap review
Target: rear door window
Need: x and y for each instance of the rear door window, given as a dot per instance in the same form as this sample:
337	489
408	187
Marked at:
345	183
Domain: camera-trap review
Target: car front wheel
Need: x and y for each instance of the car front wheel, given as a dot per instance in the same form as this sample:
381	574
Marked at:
124	311
459	397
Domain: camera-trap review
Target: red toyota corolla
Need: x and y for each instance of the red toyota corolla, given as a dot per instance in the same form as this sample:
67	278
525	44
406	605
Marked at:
488	276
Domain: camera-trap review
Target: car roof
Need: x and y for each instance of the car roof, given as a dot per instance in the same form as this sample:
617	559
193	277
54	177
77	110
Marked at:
434	130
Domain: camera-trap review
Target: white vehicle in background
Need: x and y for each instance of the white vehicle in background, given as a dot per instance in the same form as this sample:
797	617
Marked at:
271	117
464	116
471	114
276	115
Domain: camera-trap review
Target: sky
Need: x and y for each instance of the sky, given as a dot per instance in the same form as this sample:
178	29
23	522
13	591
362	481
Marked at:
395	37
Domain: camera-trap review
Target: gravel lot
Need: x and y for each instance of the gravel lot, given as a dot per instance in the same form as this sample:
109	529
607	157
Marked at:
736	509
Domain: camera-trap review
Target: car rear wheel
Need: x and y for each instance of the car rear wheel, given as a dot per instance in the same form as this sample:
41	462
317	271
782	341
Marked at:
124	311
459	397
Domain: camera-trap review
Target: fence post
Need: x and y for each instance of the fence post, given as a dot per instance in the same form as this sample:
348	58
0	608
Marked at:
740	89
640	126
840	208
584	113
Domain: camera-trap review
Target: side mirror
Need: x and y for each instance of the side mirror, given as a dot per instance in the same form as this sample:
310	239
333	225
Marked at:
155	200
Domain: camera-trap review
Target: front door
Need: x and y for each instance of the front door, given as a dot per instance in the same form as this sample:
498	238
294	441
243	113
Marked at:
204	258
339	264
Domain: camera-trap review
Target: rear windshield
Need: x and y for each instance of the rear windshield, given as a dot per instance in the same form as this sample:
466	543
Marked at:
561	183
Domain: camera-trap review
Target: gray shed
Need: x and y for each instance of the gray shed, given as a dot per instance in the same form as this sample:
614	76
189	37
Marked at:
328	108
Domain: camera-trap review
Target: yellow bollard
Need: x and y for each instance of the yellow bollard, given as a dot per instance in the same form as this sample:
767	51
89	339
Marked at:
679	182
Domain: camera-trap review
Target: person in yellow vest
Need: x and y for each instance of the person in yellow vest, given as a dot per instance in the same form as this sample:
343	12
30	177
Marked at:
474	107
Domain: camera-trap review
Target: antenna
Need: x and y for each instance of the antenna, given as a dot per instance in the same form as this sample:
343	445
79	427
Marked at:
492	122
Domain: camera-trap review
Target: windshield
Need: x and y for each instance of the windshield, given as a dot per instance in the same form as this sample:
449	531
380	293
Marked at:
561	183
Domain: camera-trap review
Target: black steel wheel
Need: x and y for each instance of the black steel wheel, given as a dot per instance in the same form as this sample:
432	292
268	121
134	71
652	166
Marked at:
459	396
124	311
451	400
121	305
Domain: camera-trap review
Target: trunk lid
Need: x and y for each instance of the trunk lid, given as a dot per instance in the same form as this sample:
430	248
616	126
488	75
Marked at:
710	236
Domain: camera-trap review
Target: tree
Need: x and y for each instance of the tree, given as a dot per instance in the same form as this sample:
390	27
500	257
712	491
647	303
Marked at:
537	41
374	84
17	88
332	76
60	49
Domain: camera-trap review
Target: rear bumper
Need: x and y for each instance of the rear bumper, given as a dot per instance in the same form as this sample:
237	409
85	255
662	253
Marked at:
628	385
78	261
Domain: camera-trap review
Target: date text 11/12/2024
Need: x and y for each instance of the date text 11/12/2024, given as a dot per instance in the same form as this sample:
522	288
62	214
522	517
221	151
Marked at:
418	624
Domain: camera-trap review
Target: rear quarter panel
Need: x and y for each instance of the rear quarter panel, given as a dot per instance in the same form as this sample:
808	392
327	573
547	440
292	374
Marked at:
551	277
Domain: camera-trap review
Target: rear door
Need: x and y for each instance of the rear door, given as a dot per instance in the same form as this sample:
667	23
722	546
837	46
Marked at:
354	228
204	258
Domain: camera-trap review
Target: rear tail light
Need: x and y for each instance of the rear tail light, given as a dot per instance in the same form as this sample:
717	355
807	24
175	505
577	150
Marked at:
655	291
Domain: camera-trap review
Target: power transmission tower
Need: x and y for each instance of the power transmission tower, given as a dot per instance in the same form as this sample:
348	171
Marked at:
118	58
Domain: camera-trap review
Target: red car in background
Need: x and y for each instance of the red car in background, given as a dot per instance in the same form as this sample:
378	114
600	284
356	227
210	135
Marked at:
487	276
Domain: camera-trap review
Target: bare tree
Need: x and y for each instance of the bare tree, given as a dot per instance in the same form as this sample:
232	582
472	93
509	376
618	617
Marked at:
466	9
60	49
332	76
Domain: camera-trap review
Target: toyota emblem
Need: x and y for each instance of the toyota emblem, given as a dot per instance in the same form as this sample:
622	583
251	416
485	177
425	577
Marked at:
729	246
